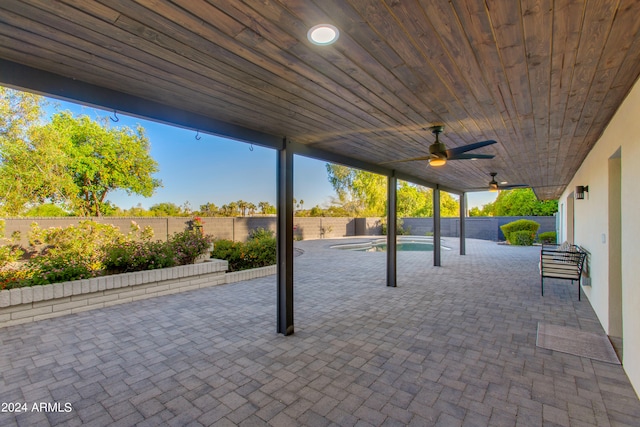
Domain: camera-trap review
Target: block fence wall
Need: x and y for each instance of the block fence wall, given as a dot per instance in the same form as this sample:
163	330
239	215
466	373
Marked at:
485	228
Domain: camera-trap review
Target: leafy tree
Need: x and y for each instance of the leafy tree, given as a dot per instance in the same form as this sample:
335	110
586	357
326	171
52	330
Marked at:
449	206
360	193
414	201
73	161
363	193
166	209
46	210
316	211
32	160
475	211
523	202
138	211
336	211
103	159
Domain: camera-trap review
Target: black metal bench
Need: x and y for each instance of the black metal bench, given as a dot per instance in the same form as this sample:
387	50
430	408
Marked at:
561	262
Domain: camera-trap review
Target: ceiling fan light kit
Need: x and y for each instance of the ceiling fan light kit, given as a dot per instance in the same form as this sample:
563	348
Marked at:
437	161
439	155
494	186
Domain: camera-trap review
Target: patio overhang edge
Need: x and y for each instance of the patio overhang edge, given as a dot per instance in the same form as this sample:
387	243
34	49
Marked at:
31	79
315	153
23	77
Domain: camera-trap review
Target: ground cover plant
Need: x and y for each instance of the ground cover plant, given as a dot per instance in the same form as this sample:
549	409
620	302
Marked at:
91	249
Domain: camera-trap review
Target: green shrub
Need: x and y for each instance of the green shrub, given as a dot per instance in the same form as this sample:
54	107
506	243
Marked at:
547	237
242	256
526	225
521	238
260	233
260	252
84	242
182	248
189	245
230	251
43	270
11	251
138	256
90	249
13	278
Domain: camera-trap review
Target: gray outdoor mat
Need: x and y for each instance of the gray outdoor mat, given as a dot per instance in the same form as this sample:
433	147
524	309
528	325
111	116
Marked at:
576	342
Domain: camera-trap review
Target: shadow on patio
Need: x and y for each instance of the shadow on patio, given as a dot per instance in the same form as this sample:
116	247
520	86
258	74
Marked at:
452	345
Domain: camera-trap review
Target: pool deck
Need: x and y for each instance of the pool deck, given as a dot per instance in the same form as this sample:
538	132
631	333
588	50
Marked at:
450	346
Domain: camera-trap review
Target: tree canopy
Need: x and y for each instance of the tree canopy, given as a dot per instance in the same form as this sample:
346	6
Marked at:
71	161
362	193
517	202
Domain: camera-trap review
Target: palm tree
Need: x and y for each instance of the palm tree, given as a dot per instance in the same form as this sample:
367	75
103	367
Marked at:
263	207
266	208
243	207
233	206
209	209
251	208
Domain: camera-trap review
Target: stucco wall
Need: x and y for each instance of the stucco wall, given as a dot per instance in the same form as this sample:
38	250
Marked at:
591	219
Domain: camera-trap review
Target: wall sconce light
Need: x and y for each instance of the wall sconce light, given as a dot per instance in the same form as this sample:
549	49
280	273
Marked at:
580	190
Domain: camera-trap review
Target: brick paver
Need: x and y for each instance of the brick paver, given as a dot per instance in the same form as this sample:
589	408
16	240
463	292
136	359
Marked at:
450	346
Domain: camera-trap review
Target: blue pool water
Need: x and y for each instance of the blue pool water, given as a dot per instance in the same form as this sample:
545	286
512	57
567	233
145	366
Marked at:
380	245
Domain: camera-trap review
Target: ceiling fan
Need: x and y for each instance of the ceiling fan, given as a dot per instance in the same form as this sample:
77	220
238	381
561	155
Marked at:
439	154
494	186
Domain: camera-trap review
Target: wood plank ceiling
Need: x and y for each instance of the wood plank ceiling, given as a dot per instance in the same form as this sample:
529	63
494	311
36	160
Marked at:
541	77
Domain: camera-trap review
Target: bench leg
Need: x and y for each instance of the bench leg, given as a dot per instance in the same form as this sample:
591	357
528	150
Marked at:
541	285
579	290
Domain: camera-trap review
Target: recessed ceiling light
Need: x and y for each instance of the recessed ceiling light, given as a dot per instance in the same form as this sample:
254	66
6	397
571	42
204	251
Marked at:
323	34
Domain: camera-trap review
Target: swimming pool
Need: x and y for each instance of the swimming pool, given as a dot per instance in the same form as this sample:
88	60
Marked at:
403	244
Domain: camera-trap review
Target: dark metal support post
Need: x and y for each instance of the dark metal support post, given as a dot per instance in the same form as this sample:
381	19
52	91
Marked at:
436	227
463	215
392	184
285	240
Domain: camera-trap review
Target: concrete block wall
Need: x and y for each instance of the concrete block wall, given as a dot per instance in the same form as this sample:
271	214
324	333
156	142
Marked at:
243	226
484	228
420	226
23	305
238	229
323	227
220	228
368	226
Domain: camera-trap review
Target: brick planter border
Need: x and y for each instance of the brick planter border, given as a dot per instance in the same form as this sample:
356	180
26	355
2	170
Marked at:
30	304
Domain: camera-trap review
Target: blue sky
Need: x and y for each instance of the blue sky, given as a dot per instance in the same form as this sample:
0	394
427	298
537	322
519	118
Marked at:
218	170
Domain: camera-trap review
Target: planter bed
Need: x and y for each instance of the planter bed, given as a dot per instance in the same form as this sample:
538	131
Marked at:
24	305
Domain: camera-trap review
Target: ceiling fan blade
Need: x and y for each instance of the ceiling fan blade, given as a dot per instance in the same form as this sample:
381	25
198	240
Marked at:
414	159
470	156
458	150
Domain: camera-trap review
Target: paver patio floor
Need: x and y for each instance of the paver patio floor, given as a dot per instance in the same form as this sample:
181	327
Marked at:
450	346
